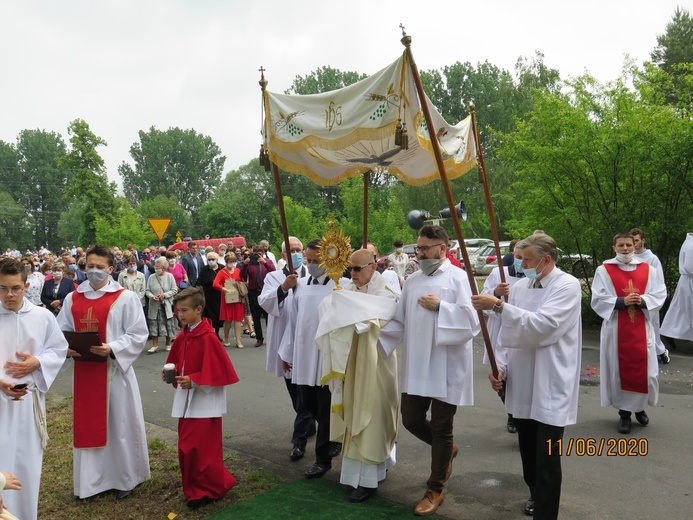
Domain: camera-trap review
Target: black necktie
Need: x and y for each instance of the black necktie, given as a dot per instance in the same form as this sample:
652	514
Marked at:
315	281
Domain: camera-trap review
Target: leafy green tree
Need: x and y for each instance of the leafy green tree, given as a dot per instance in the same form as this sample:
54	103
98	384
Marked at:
174	163
675	46
41	185
597	160
123	227
300	221
71	223
323	79
15	226
89	184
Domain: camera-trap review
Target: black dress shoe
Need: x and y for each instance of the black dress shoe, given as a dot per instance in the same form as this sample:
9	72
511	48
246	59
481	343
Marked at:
511	425
196	504
664	358
297	452
361	494
122	495
259	343
529	507
624	423
317	470
335	449
642	418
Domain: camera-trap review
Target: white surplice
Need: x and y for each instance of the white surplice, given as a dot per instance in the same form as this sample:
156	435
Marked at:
278	317
124	462
34	330
648	256
392	278
436	350
348	337
603	302
541	336
678	322
298	346
493	324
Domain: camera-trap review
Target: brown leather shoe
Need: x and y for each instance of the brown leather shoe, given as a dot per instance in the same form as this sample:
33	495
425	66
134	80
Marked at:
448	472
429	503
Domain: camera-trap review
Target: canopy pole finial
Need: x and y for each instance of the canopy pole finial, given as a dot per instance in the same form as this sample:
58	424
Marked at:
406	40
263	81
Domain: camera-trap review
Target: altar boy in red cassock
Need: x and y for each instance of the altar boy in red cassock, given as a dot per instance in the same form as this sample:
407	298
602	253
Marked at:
203	370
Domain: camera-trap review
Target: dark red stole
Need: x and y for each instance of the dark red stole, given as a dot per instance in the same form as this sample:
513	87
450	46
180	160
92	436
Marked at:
90	417
632	333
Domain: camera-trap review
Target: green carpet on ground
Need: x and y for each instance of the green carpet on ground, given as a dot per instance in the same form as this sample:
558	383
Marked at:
315	499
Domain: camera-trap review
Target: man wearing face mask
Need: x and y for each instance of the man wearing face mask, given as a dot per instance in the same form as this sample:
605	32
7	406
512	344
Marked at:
277	300
627	293
109	437
301	356
436	323
541	341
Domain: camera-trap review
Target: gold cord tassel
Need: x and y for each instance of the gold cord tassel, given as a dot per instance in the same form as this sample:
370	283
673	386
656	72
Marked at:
404	138
398	133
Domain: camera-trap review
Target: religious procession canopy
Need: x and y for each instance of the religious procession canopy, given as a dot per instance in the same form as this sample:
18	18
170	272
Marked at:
376	124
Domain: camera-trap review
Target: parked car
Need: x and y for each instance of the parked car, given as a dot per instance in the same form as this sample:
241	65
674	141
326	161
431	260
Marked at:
485	258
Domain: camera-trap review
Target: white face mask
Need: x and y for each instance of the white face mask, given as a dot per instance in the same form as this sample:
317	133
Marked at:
624	258
212	263
171	261
158	271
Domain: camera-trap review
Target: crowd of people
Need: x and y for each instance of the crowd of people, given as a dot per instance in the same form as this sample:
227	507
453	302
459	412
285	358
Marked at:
394	340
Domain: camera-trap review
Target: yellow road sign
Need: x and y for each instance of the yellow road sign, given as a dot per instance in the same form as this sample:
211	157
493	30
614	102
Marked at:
160	226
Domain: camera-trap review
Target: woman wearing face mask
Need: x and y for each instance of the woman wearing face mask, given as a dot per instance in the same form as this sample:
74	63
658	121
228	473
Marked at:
222	253
230	312
212	296
55	289
35	280
399	259
176	268
134	281
161	288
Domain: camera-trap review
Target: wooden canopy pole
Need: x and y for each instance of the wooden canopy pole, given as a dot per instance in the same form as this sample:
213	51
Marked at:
406	41
366	182
483	178
278	186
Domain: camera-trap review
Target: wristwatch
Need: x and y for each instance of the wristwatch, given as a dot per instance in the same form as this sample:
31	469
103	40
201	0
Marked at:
497	306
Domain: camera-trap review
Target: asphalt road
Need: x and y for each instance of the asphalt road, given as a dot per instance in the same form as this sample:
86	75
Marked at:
649	475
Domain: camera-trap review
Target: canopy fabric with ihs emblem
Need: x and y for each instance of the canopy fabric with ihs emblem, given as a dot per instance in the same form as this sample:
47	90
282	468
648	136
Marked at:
344	133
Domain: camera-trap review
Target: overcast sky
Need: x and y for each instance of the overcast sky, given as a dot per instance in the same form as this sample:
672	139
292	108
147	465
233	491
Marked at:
127	65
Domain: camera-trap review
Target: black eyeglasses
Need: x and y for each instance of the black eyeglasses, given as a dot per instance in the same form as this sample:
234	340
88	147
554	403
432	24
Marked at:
424	249
357	268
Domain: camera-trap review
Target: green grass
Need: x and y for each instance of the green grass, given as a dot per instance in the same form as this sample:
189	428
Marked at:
154	499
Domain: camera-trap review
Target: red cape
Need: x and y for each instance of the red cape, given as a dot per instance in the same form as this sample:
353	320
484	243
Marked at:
206	361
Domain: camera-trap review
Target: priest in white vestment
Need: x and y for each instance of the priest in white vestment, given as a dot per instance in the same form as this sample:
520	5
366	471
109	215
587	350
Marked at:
436	323
646	255
541	342
123	462
363	379
300	354
678	323
32	351
277	300
626	294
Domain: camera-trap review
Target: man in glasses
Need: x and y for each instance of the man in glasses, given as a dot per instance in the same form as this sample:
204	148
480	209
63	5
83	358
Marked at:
31	354
364	391
436	323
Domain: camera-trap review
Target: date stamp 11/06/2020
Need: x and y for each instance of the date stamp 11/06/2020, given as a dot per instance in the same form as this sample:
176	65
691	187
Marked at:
595	447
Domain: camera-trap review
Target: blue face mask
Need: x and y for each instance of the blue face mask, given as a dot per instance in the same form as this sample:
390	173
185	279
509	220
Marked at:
518	265
531	272
296	260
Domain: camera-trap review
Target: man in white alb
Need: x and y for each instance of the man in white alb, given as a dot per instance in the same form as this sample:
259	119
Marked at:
109	437
32	351
541	341
362	377
436	321
677	323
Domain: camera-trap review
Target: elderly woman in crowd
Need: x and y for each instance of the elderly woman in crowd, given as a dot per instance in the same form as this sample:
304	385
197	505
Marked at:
230	312
161	287
222	253
134	281
212	295
56	288
35	280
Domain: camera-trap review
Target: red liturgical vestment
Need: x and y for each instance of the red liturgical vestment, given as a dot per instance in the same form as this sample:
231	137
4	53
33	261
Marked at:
91	378
632	334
